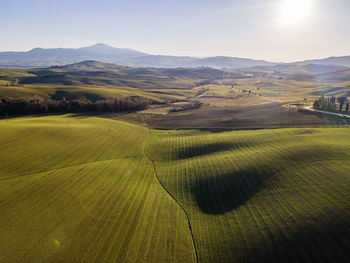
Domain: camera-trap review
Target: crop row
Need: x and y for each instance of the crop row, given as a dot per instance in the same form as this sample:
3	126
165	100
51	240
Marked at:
261	196
84	192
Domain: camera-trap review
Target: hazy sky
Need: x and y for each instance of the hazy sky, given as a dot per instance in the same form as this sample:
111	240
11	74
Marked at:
277	30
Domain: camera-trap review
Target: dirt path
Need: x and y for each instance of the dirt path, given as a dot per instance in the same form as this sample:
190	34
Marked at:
327	112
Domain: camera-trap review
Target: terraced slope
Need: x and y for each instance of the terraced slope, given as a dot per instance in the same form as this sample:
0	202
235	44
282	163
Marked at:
261	196
82	190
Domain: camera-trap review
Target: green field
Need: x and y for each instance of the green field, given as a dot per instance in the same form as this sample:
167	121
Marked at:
227	99
261	196
84	189
57	92
94	80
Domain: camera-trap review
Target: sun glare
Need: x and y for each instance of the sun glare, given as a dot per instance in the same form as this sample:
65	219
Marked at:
295	11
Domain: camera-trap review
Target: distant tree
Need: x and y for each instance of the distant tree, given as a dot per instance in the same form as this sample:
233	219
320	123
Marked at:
333	99
347	107
317	105
342	101
325	104
35	105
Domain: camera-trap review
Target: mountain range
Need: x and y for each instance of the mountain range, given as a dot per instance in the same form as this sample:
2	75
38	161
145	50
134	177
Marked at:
40	57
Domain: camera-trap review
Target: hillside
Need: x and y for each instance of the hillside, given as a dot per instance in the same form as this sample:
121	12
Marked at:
96	80
260	196
277	195
94	198
339	61
106	74
303	72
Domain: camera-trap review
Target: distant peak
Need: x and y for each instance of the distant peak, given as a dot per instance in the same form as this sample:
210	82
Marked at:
105	49
99	46
36	49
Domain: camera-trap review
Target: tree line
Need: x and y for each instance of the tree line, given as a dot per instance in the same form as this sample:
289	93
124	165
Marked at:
38	106
189	106
329	103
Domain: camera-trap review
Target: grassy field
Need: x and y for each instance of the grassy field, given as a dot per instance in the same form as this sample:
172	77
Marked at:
83	92
261	196
82	190
292	90
270	115
224	104
95	82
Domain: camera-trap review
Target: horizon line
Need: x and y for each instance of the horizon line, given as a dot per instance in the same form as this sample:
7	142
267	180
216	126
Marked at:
146	53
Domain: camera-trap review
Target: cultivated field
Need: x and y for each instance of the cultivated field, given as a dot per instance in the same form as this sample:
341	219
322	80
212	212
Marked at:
260	196
82	190
241	116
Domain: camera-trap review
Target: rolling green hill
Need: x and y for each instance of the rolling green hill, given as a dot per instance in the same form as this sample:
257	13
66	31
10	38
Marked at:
91	80
96	80
260	196
87	189
82	190
319	73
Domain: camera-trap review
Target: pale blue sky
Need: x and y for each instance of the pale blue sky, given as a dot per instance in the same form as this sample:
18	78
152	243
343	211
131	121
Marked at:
242	28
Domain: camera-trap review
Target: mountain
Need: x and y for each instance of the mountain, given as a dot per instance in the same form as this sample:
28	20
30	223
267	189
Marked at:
338	61
302	72
213	62
116	53
40	57
228	62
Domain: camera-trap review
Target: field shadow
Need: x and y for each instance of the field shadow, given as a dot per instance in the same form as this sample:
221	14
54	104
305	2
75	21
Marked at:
106	115
226	192
82	115
320	241
200	150
229	190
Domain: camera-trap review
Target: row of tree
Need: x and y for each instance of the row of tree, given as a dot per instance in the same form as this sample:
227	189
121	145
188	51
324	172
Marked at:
37	106
329	103
188	106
